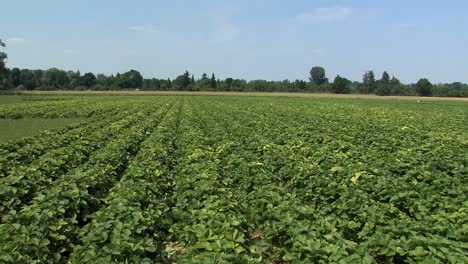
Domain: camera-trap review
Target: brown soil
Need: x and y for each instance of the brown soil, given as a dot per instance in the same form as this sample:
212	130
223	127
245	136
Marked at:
312	95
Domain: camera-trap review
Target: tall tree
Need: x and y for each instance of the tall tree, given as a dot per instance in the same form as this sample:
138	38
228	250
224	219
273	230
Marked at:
340	85
384	86
424	87
135	79
368	81
182	82
55	79
317	75
15	76
204	83
74	78
3	69
88	80
169	84
385	78
3	57
397	87
30	79
229	82
213	81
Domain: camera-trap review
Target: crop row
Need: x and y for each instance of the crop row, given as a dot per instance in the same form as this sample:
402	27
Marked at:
27	150
46	229
132	224
244	180
23	182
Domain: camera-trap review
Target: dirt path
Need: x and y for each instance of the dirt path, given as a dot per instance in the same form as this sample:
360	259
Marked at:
312	95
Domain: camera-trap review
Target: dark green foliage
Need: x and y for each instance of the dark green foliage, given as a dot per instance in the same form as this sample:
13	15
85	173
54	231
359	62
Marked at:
385	78
131	79
3	70
228	83
55	79
341	85
368	83
317	75
171	179
88	80
182	82
384	86
213	82
455	89
15	77
424	87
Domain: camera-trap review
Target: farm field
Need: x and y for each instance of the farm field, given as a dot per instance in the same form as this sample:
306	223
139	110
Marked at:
235	179
23	127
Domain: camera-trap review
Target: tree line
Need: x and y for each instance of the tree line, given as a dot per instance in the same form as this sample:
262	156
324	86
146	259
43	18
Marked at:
56	79
384	86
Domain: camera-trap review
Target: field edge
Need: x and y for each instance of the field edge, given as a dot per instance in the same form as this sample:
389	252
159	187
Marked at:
266	94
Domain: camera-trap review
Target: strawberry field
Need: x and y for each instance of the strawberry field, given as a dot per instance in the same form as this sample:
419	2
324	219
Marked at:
226	179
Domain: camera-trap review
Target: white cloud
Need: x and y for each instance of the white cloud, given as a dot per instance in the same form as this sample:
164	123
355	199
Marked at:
222	23
225	32
129	52
407	25
69	51
316	51
15	40
325	15
148	28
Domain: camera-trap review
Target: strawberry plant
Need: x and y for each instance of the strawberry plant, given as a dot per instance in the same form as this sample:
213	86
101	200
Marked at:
195	179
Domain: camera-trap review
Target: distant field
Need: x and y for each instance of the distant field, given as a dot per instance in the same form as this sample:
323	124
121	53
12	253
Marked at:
24	127
14	127
306	178
9	99
313	95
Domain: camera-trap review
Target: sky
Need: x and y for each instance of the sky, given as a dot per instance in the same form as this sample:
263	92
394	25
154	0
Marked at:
249	39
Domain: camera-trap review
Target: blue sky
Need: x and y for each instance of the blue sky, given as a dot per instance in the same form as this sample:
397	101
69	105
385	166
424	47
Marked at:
251	39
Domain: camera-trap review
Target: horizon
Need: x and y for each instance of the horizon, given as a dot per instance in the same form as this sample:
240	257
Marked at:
250	40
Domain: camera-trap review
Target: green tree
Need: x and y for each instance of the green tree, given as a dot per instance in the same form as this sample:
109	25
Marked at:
258	86
424	87
299	85
204	83
229	82
165	84
169	84
341	85
384	87
213	81
385	77
368	82
29	79
182	82
88	80
397	87
238	85
74	78
55	79
3	57
317	75
135	79
3	70
15	77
